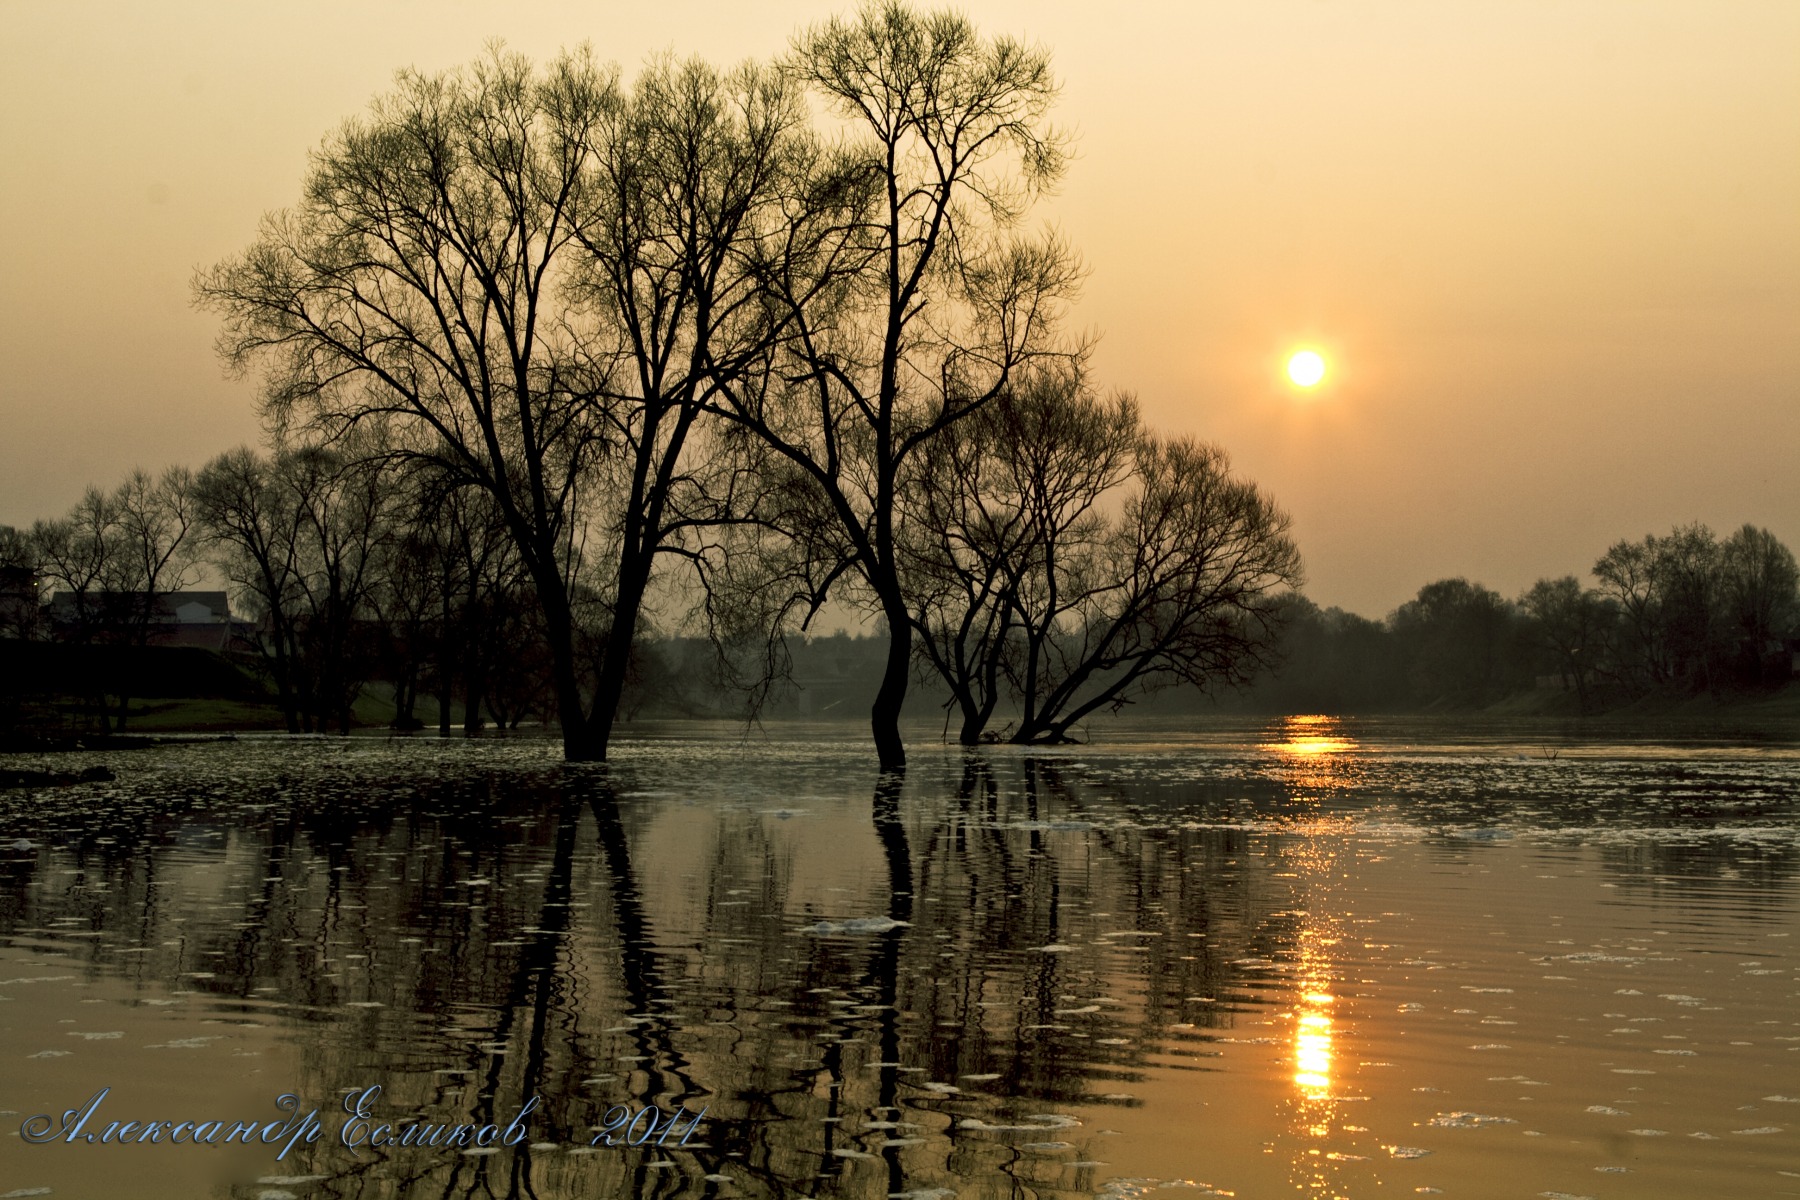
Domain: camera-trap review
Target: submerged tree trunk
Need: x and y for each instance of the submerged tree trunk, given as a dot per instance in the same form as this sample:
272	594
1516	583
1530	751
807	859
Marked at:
615	661
884	716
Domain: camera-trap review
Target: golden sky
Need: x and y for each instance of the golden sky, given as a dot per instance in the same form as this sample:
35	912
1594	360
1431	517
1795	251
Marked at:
1551	250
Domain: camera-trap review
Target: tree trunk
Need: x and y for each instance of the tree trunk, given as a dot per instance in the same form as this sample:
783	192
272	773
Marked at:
634	578
472	699
975	713
884	716
607	690
559	632
443	664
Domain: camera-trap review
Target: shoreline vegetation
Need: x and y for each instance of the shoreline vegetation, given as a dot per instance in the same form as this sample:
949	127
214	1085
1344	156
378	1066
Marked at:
42	721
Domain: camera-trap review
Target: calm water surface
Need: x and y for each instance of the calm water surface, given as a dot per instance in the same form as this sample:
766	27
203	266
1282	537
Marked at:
1302	957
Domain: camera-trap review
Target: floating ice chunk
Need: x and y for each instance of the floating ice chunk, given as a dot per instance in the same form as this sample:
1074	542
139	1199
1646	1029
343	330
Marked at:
1468	1120
1036	1123
1136	1189
855	925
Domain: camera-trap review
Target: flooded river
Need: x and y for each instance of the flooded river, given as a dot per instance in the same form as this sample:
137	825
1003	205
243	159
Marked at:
1302	957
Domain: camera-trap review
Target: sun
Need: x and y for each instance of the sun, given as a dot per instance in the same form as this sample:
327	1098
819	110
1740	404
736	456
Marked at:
1306	368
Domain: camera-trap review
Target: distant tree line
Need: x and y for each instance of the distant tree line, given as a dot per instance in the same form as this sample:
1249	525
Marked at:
1681	614
345	573
556	362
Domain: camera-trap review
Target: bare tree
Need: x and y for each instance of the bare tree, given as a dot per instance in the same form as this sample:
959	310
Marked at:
418	282
251	526
21	605
1184	587
999	506
1759	601
1669	590
532	278
681	185
153	547
901	301
76	552
1576	627
346	513
119	555
1628	577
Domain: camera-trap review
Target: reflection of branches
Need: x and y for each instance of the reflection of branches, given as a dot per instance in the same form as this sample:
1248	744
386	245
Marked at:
504	957
884	964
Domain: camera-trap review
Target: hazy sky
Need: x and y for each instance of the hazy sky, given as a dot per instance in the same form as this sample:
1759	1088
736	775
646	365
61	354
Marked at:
1551	250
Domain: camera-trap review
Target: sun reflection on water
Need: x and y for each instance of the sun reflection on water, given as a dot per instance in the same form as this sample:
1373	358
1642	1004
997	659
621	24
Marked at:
1311	737
1312	1044
1320	1153
1314	753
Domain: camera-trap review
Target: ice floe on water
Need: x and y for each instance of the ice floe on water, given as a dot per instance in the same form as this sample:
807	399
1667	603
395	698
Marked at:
1469	1120
1137	1189
1036	1123
855	926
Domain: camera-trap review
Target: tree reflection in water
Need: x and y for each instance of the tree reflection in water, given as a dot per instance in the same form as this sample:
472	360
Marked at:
955	982
859	1016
